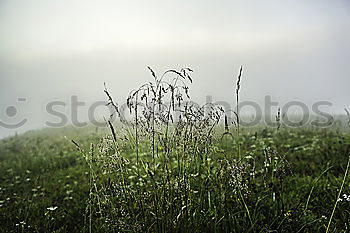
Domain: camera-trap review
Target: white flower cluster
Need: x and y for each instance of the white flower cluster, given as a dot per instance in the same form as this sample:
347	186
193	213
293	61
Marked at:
345	197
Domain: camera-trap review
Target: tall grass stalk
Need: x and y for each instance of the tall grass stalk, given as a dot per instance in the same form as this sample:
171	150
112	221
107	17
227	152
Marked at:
339	193
313	187
238	87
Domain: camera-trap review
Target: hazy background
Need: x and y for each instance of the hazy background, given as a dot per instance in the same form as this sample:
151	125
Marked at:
51	50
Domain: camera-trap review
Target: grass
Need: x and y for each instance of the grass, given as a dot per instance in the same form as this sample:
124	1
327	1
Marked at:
172	167
41	170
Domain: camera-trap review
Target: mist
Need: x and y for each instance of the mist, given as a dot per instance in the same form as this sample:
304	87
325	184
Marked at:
54	50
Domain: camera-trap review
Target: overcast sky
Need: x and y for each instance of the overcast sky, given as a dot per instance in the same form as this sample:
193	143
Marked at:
52	50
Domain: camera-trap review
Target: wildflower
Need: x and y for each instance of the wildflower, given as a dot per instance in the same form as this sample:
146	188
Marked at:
21	223
52	208
346	197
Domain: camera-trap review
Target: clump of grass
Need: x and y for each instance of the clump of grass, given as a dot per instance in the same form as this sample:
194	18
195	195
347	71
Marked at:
166	169
173	176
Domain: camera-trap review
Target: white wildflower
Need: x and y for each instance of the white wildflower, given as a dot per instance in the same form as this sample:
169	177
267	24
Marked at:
53	208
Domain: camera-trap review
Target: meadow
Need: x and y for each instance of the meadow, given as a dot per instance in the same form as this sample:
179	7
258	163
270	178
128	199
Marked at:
175	167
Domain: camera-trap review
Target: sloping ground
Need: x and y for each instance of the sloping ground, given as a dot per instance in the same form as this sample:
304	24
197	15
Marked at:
45	185
40	170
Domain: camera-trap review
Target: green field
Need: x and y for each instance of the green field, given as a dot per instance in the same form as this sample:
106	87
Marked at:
286	181
176	167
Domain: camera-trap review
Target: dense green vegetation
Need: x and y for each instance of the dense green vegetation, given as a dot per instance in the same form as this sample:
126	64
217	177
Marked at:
46	186
173	168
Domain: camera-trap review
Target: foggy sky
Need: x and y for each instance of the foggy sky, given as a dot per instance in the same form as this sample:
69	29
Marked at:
52	50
